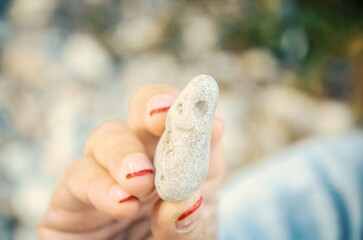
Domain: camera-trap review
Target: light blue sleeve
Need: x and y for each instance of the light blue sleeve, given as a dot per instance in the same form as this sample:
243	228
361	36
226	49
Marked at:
312	191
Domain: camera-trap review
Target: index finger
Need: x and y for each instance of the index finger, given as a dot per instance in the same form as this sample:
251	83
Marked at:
147	113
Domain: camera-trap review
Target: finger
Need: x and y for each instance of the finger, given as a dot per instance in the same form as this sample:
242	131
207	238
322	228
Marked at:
116	148
217	131
216	162
179	220
87	187
148	108
216	169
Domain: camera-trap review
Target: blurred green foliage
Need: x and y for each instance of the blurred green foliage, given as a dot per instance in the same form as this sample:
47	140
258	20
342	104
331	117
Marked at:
329	27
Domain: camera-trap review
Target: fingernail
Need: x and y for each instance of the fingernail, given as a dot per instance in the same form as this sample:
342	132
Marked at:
129	198
188	219
136	165
159	104
119	195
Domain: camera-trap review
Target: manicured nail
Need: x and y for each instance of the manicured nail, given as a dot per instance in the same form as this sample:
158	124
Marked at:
136	165
119	195
129	198
187	220
159	104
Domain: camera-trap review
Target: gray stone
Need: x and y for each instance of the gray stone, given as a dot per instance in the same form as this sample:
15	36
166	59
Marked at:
182	154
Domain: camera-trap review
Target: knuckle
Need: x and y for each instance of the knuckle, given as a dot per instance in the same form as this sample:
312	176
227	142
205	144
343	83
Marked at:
131	145
78	165
107	128
78	177
72	171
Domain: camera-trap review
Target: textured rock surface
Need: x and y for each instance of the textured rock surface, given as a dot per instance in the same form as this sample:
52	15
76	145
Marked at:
182	155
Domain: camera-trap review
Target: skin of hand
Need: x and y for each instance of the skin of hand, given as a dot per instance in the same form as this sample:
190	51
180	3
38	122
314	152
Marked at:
108	193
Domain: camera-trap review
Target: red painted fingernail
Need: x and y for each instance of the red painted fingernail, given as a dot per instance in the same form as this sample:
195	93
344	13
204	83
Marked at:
159	110
139	173
188	219
117	194
159	104
136	165
192	209
129	198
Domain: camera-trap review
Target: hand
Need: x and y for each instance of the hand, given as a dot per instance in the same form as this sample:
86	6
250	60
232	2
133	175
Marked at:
109	192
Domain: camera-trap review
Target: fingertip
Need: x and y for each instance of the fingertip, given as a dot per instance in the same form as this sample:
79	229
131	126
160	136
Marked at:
148	108
141	187
156	111
188	219
124	205
217	130
137	175
176	219
216	168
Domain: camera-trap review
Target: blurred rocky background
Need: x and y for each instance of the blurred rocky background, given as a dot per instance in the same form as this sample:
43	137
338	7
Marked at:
287	70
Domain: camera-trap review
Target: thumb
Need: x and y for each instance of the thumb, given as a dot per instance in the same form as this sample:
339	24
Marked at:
179	220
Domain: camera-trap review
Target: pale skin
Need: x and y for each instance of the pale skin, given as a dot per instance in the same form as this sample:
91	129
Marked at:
108	193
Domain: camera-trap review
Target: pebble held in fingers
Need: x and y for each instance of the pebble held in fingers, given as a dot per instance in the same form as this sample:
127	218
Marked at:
182	154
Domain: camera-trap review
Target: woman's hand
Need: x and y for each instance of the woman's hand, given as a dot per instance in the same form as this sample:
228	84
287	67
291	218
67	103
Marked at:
109	192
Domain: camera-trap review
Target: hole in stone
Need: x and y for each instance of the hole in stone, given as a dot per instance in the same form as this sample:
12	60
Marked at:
179	108
202	107
170	151
162	178
168	136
